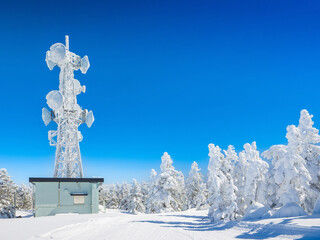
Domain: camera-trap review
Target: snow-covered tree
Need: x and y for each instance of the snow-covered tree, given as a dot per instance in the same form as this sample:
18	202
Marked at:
239	178
195	188
135	203
250	177
144	191
222	191
125	196
24	197
7	189
255	185
167	189
153	176
231	159
316	208
214	172
152	203
119	193
310	151
230	207
291	173
274	153
112	200
202	197
103	194
295	175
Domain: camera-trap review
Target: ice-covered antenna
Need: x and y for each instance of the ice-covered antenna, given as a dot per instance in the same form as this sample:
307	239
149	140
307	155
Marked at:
67	42
65	110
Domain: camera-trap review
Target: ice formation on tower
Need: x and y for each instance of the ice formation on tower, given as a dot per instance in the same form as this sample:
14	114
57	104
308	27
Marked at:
65	110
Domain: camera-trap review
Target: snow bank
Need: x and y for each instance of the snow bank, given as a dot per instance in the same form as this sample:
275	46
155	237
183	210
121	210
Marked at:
289	210
257	211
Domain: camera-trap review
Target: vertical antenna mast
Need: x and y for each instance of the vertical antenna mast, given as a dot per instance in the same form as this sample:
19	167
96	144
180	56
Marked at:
65	110
67	42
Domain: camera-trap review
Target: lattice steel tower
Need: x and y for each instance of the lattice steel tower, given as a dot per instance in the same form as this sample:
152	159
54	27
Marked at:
65	110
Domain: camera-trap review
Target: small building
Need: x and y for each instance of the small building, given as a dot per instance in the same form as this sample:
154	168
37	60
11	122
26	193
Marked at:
65	195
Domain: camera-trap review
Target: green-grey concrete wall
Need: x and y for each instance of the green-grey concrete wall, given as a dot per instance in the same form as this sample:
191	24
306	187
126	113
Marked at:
51	198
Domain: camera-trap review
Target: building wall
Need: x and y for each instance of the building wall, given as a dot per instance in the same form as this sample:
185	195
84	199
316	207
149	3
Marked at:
52	198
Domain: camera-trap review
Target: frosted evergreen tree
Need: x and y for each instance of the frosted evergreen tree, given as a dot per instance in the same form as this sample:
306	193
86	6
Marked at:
24	197
152	202
222	191
112	201
168	189
274	153
214	173
316	208
239	177
153	176
255	185
231	159
292	175
230	207
202	197
195	188
7	189
125	196
251	177
310	151
119	194
135	204
104	195
173	182
304	155
144	192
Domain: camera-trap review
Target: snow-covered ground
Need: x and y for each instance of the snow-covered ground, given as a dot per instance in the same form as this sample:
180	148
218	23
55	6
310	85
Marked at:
191	224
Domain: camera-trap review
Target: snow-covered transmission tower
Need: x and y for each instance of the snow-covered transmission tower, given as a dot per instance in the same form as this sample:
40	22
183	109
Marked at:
65	110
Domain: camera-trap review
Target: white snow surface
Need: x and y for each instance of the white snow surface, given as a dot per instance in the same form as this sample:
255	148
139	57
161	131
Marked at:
257	211
191	224
290	210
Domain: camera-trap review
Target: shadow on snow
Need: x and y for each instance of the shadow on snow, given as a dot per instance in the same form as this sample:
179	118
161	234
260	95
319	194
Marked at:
254	230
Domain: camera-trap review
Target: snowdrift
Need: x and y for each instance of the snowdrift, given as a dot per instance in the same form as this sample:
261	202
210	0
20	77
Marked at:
257	211
289	210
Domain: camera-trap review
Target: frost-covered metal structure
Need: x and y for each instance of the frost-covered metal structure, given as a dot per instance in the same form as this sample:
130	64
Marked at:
65	110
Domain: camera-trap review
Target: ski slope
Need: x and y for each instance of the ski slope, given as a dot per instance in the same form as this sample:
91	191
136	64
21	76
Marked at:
191	224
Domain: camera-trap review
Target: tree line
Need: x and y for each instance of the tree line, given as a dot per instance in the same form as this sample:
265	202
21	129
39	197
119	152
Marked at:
239	185
13	196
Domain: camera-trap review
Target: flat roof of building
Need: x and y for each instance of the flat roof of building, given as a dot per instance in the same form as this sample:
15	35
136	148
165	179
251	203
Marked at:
42	179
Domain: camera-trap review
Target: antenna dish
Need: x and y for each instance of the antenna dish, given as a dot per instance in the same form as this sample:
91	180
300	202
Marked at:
57	53
89	118
50	64
77	87
54	100
46	116
85	64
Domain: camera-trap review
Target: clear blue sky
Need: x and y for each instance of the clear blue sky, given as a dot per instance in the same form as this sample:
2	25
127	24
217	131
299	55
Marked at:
165	76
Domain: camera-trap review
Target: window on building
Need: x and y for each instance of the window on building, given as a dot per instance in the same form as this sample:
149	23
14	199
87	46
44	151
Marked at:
78	199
